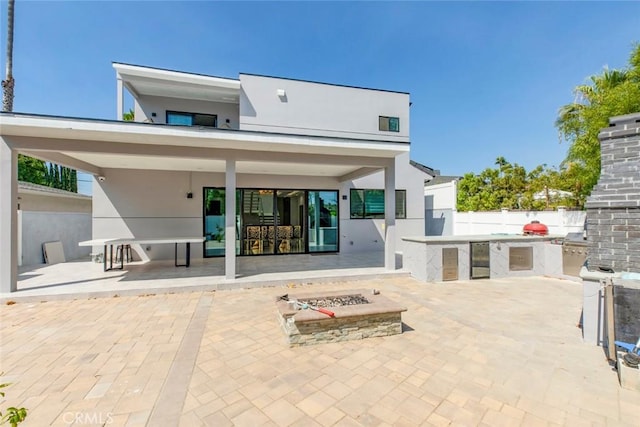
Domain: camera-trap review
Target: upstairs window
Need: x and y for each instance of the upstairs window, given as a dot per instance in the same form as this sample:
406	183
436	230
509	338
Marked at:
191	119
389	124
367	204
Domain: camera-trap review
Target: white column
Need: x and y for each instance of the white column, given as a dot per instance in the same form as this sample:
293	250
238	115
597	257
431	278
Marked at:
230	221
120	100
8	218
390	216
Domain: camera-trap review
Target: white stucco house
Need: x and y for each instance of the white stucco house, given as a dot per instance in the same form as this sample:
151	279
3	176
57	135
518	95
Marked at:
257	165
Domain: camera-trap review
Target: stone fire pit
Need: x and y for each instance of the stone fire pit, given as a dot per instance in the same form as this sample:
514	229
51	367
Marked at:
358	314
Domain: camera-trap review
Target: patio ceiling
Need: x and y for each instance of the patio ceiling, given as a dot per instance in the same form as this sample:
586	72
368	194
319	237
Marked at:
94	145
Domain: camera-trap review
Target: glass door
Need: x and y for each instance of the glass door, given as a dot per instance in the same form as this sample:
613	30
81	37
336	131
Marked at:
290	222
214	222
258	233
322	221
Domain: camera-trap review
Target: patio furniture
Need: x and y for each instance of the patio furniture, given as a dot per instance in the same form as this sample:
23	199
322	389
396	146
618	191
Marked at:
111	242
123	251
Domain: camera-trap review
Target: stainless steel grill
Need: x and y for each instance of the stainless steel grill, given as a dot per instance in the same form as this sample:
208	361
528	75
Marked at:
574	253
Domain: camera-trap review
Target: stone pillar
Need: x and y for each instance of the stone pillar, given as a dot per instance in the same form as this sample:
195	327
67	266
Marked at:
8	218
613	220
390	216
613	208
230	221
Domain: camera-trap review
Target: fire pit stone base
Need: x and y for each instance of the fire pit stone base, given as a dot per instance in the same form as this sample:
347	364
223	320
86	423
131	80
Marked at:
380	317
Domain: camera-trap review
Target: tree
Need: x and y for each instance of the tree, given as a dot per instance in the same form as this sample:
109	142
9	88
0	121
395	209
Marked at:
511	186
129	116
9	83
31	170
611	93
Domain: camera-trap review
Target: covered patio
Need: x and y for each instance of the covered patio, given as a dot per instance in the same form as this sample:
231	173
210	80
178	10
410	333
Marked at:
86	279
105	148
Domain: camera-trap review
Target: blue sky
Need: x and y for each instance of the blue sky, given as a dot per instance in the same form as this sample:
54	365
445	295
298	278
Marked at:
486	78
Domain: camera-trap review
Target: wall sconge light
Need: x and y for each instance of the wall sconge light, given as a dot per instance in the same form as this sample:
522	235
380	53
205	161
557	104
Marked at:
102	178
344	197
189	195
281	93
153	114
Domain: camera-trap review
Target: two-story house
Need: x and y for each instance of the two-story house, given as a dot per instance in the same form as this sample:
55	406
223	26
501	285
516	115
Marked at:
258	165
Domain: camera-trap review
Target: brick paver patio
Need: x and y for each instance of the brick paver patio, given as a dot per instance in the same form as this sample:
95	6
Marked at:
493	353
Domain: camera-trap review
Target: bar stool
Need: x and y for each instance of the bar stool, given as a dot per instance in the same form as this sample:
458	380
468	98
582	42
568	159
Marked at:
124	251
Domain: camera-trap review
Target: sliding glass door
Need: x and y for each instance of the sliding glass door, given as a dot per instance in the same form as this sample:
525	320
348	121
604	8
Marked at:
323	221
214	222
270	221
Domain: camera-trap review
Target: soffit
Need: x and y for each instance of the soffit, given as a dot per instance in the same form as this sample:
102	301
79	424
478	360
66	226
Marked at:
141	81
114	144
116	161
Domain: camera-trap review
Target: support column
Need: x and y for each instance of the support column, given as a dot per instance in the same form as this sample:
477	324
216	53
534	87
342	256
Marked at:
8	218
390	216
120	100
230	221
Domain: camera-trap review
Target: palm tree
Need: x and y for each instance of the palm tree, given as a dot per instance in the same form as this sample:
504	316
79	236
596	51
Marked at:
8	83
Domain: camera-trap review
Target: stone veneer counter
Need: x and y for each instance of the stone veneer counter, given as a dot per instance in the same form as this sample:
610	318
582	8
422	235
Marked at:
423	255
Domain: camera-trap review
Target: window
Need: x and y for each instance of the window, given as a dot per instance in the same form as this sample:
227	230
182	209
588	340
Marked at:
191	119
370	204
389	124
401	204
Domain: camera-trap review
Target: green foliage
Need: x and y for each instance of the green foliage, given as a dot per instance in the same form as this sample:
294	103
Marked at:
511	186
61	177
48	174
129	116
611	93
31	170
13	415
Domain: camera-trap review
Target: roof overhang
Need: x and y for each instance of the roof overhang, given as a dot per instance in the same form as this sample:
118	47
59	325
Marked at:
146	81
91	145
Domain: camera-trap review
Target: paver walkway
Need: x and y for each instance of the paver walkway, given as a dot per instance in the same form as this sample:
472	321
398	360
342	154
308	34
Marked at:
494	352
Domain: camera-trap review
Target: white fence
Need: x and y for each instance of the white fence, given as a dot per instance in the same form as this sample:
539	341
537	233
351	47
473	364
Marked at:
559	222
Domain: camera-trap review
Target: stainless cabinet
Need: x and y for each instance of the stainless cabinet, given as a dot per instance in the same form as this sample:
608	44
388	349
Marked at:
449	264
480	262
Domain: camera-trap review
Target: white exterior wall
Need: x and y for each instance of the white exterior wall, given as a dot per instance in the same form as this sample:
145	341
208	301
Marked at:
360	235
440	204
146	105
167	212
559	222
443	196
320	109
69	228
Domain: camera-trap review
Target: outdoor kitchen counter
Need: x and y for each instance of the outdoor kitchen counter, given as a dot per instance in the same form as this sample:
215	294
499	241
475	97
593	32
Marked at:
481	238
508	255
